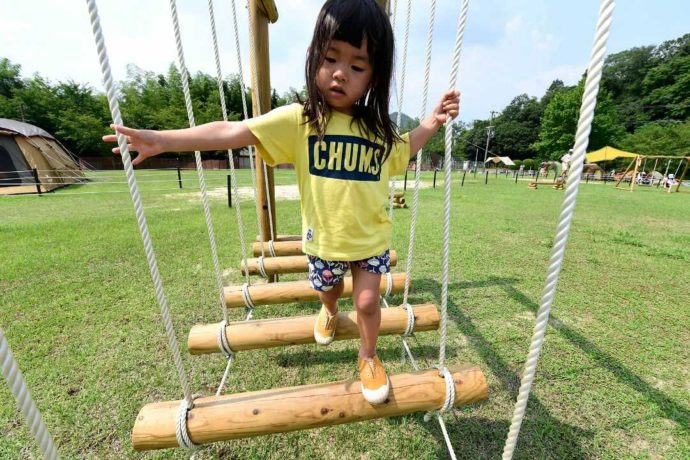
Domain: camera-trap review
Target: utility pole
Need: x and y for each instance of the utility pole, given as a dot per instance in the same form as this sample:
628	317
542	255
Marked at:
489	133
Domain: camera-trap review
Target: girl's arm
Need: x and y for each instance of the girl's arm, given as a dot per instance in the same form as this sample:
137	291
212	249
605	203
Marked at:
447	107
217	135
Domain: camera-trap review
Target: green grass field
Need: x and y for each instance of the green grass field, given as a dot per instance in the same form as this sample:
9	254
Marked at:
79	311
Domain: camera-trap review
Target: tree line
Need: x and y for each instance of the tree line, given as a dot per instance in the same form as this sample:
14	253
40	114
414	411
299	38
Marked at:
643	106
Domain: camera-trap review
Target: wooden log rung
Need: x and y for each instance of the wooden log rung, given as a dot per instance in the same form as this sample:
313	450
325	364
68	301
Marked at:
297	291
280	332
288	264
281	248
279	410
283	238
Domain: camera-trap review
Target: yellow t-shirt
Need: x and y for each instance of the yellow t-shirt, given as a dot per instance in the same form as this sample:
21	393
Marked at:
343	188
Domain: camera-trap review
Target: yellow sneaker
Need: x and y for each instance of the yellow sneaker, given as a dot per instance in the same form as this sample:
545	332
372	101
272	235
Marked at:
375	383
324	327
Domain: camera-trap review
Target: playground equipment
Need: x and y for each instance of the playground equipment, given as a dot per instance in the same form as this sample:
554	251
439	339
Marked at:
190	421
636	175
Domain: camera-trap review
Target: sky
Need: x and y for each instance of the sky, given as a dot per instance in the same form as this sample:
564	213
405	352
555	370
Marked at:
510	46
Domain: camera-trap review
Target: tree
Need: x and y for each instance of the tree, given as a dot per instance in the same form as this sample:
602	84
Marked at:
659	139
517	128
668	90
622	77
9	77
559	123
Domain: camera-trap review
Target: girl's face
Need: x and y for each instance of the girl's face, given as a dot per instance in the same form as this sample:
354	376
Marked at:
344	75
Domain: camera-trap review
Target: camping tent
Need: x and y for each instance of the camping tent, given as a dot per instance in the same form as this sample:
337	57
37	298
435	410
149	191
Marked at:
27	151
496	160
608	153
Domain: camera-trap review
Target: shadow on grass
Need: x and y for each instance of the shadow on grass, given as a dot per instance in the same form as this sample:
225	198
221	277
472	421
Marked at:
670	408
320	355
542	435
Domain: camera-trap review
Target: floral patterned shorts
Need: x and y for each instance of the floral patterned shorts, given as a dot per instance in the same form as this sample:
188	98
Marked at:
324	275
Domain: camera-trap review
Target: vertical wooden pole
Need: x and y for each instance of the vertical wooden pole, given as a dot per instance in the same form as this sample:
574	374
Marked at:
261	103
633	180
682	176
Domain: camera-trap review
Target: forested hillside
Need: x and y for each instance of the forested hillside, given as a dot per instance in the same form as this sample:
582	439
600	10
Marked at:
643	106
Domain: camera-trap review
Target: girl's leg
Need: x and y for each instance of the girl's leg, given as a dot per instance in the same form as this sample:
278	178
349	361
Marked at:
330	298
365	296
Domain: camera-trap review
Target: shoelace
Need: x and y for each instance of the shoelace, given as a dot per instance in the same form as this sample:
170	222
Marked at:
329	320
371	367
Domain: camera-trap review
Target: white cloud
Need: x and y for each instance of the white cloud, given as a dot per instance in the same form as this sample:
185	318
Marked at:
513	25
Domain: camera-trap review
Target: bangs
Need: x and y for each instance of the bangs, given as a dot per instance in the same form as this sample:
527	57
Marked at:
352	22
351	31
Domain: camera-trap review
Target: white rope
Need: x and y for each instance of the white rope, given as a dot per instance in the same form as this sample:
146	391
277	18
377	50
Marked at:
262	266
233	178
462	20
247	297
17	384
418	160
181	433
400	95
197	155
136	199
223	342
409	329
584	126
389	284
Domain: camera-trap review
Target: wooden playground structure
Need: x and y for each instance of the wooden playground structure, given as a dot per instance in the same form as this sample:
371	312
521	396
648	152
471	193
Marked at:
635	168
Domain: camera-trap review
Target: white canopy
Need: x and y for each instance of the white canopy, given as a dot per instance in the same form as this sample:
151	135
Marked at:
496	159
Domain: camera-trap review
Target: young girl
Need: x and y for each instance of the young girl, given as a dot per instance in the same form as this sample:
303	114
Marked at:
344	147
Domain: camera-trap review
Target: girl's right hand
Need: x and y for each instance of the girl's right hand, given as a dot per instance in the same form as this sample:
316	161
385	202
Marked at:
144	141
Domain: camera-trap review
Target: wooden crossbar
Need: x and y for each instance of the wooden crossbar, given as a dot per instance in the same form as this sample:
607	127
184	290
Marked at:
280	332
296	291
279	410
281	248
288	264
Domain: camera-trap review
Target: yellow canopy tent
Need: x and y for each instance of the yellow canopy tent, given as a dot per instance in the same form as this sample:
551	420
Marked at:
608	153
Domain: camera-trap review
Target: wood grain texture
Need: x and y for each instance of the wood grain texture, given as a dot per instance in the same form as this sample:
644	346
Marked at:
296	291
281	332
279	410
288	264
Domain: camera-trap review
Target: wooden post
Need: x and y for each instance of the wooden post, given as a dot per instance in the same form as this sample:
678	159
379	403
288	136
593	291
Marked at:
685	170
259	12
633	180
229	191
37	181
279	410
281	332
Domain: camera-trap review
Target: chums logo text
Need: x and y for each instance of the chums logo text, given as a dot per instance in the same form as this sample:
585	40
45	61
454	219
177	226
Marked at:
345	157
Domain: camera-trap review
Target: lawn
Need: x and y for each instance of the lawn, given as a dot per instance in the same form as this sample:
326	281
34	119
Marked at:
79	311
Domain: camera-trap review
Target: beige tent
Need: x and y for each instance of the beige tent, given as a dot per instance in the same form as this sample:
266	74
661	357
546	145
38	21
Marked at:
506	161
27	152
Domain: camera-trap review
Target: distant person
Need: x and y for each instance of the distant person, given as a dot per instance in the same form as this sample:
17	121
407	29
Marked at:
565	162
